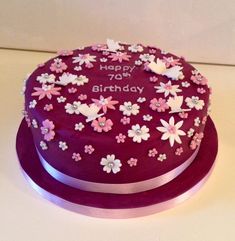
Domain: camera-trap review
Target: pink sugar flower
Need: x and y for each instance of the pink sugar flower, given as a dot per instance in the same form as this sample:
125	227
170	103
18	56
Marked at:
179	151
204	119
102	124
158	104
48	107
183	115
132	162
120	138
46	91
152	152
65	52
195	142
47	130
169	61
41	65
119	56
201	90
76	157
82	97
105	103
125	120
199	79
72	90
89	149
146	66
58	66
152	51
153	79
98	47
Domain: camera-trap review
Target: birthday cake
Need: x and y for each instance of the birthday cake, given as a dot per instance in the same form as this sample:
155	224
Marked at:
116	118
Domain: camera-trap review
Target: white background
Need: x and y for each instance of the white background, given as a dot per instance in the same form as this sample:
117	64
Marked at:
200	30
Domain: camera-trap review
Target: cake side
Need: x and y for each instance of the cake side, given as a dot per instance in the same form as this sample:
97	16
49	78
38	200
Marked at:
134	131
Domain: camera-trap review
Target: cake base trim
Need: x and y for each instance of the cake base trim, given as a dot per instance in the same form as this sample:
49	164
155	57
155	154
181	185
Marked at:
121	188
108	205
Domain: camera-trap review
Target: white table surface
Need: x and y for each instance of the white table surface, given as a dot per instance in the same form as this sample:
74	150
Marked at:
24	215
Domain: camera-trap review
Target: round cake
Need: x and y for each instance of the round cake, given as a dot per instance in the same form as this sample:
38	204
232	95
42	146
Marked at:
116	118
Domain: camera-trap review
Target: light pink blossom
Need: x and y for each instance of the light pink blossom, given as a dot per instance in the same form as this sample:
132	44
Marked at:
183	115
152	152
169	61
82	97
76	157
72	90
89	149
201	90
119	56
105	103
158	104
204	119
48	107
64	52
120	138
132	162
98	47
125	120
195	142
46	91
179	151
47	130
58	66
197	78
102	124
153	79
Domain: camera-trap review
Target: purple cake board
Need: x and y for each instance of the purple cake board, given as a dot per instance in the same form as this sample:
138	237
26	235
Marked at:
107	205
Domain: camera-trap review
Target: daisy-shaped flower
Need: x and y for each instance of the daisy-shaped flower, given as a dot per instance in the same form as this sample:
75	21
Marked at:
119	56
125	120
120	138
46	91
73	108
138	133
168	89
195	102
147	117
61	99
132	162
161	157
147	57
152	152
171	131
105	103
47	130
79	126
86	59
46	78
76	157
58	66
158	104
135	48
102	124
63	145
80	80
129	109
111	164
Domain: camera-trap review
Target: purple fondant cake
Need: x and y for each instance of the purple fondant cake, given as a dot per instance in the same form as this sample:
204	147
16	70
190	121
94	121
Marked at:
116	118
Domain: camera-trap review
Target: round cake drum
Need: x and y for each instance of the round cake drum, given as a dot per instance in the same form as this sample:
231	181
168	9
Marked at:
116	130
117	205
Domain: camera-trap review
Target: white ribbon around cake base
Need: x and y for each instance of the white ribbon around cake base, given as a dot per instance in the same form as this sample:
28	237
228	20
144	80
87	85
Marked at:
120	188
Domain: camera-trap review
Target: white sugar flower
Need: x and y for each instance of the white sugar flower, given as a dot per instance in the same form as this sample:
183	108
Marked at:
171	131
135	48
32	104
141	99
79	126
129	109
84	59
34	123
63	145
185	84
194	102
43	145
138	62
111	164
80	80
77	68
61	99
147	117
73	108
161	157
167	89
147	57
190	132
197	121
139	133
46	78
103	60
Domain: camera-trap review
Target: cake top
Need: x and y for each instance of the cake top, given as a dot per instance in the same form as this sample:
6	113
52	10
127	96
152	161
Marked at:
130	110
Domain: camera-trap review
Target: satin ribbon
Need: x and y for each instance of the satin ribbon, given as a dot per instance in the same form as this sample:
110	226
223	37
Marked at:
117	213
123	188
